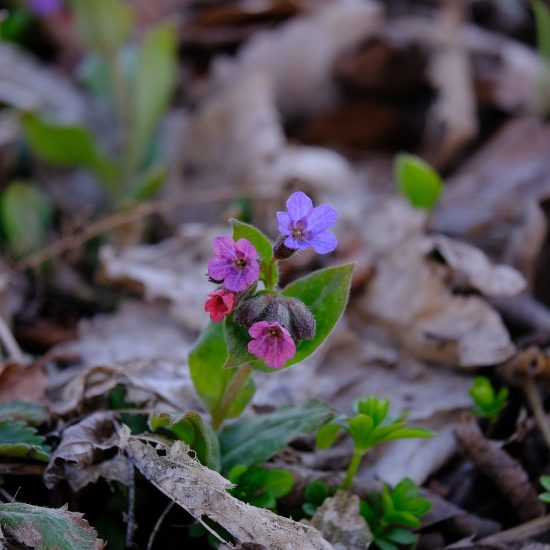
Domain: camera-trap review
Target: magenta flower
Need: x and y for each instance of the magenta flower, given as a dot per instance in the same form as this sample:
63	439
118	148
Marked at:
236	263
305	226
43	8
220	304
272	343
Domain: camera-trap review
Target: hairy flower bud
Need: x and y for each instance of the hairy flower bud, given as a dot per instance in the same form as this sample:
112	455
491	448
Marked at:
290	313
281	251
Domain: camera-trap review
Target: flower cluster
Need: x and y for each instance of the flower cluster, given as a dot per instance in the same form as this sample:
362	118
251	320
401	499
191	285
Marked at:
276	324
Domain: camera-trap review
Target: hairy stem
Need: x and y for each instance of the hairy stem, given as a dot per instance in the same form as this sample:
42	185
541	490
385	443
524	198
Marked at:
236	384
352	470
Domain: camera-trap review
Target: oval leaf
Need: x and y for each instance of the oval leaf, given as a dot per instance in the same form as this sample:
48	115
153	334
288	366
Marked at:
417	180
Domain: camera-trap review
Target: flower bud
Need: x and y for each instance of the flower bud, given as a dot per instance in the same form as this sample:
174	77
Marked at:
290	313
281	251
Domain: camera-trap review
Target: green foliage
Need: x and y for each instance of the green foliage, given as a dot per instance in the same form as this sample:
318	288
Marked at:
47	528
391	515
210	379
14	23
191	428
31	413
487	402
315	493
25	217
545	482
542	20
17	439
259	486
370	427
253	440
417	180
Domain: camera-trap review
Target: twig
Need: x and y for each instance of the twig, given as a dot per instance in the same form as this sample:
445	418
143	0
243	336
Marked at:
131	504
520	532
532	394
119	219
9	342
22	469
158	524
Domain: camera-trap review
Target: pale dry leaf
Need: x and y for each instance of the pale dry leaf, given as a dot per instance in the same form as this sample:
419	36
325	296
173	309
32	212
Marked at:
339	521
202	492
82	444
470	265
114	469
298	57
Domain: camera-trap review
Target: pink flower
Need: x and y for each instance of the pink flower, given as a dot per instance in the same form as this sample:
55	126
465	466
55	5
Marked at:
220	304
272	343
236	263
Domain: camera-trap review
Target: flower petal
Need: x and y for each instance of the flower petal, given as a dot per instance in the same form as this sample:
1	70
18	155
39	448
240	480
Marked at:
284	223
323	242
245	247
291	242
298	205
259	347
321	218
257	329
224	247
219	268
252	272
235	280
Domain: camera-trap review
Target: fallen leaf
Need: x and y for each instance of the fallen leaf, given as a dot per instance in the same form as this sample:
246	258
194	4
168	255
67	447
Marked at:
48	528
82	444
22	382
114	469
202	492
339	521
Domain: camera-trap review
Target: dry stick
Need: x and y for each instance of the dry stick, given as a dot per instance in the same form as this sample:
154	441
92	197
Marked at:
9	342
158	524
532	394
131	504
119	219
22	469
520	532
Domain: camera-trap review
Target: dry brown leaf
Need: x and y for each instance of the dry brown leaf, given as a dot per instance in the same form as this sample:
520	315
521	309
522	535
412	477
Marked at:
22	382
339	521
82	444
408	296
202	492
114	469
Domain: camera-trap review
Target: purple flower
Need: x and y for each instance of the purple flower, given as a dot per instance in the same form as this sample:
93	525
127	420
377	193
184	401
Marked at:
236	263
305	226
272	343
43	8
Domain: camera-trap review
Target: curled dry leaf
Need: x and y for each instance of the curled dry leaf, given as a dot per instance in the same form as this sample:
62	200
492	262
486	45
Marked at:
82	444
419	309
506	473
339	521
202	492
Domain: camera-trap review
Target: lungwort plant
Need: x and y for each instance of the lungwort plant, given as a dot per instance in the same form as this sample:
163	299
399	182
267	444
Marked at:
255	325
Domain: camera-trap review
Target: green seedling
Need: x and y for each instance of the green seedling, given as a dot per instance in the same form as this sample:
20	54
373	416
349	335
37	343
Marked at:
392	515
545	482
369	428
488	403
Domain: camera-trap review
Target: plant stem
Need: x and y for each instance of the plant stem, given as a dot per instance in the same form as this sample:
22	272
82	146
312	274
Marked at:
236	384
352	470
270	280
532	394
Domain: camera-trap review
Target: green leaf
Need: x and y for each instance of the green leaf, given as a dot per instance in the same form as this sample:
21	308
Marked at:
191	428
542	20
279	482
147	185
71	146
25	217
327	435
208	375
545	497
19	440
404	518
253	440
384	545
325	293
153	87
545	482
103	25
316	492
309	508
236	338
360	429
417	180
30	413
47	528
405	433
400	536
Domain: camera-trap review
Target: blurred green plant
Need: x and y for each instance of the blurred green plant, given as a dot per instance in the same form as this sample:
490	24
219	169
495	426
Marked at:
25	218
541	10
417	180
315	493
369	428
545	482
488	403
136	79
259	486
392	515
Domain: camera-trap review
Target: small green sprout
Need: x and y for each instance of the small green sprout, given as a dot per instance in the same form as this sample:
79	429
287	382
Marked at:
417	180
545	482
259	486
370	427
392	515
314	495
488	403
